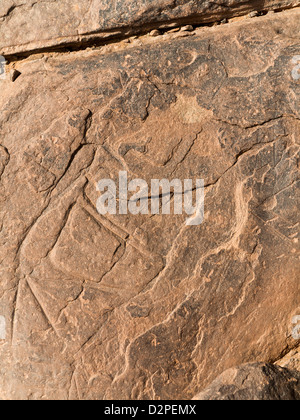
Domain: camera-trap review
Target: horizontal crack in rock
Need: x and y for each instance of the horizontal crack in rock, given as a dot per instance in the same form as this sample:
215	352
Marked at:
98	38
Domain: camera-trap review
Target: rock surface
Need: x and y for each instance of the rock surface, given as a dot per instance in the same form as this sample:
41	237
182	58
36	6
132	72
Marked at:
146	307
262	382
291	360
27	25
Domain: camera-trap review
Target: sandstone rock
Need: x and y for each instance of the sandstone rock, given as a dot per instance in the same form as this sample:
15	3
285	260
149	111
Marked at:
187	28
28	25
253	14
291	360
155	32
14	74
263	382
146	307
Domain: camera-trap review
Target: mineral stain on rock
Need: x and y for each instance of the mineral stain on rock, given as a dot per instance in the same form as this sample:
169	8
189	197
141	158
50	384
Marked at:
124	306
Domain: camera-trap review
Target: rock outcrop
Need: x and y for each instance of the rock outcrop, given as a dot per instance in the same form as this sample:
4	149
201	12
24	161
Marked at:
28	25
145	306
291	360
262	382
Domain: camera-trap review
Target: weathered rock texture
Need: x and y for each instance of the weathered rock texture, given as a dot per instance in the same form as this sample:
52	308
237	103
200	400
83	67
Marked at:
145	306
28	25
291	360
263	382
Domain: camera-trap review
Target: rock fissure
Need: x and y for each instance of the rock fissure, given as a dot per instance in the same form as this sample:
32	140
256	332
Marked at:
91	39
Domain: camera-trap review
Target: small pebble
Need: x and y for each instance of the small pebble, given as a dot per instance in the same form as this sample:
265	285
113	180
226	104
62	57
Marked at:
169	26
253	14
172	31
224	21
155	32
133	39
14	74
187	28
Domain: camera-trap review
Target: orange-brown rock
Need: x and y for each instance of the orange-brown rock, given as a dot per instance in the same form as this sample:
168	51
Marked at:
29	25
254	382
146	307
